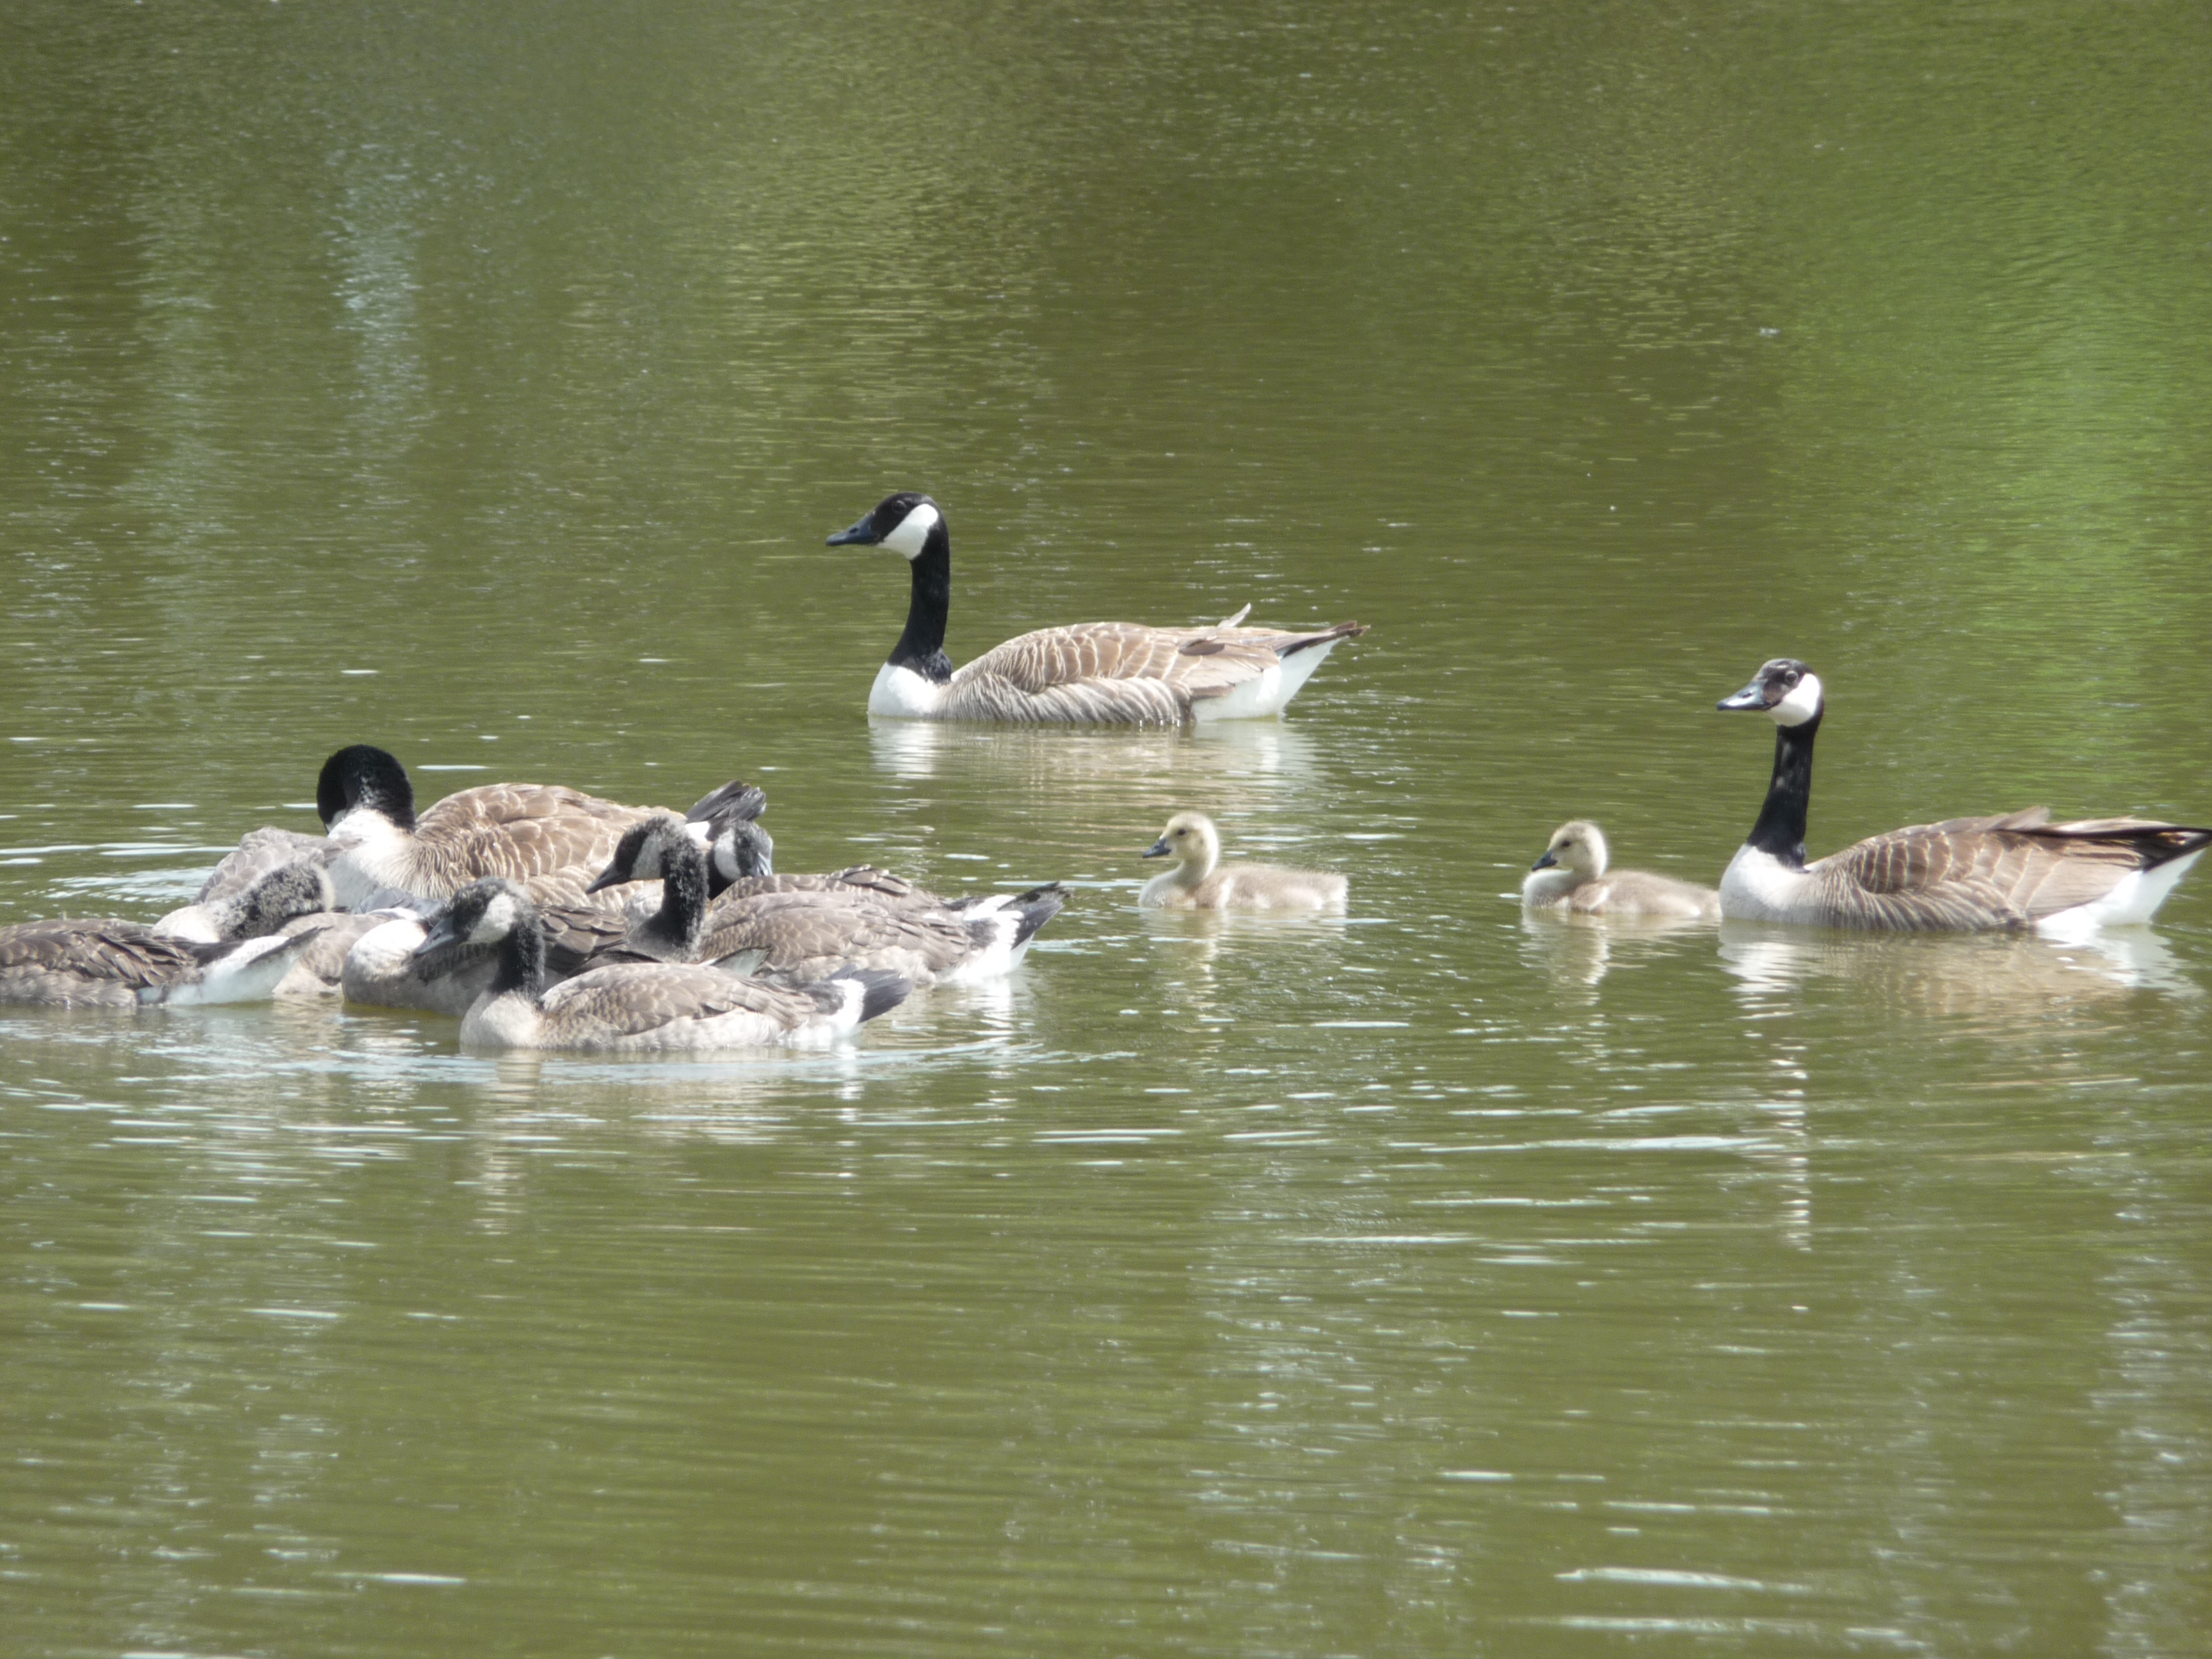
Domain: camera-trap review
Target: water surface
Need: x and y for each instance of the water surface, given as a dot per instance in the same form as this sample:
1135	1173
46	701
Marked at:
1425	1281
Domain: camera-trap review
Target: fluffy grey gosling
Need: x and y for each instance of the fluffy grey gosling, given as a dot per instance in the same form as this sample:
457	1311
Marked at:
1200	881
1572	875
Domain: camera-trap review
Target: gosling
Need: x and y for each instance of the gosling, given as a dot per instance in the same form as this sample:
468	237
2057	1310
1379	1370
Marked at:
1200	881
1572	878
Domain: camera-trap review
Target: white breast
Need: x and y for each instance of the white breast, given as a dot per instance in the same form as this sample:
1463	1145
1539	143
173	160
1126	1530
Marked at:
375	860
901	694
1758	887
1542	887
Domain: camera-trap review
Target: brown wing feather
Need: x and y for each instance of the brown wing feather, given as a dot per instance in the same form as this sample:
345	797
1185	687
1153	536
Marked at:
2012	869
528	829
811	935
862	880
102	950
630	1000
1185	663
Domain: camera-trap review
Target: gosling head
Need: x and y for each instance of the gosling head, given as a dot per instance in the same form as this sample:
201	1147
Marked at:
1784	689
298	888
1579	845
1189	838
907	523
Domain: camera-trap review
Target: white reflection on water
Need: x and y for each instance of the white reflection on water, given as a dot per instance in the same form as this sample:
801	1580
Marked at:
2001	977
1578	950
1224	752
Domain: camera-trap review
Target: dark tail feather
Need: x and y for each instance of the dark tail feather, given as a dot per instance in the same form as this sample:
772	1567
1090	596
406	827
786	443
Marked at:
735	802
2153	844
1037	907
1329	635
881	990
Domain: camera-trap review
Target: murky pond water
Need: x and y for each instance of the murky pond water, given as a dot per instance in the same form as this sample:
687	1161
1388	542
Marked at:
483	386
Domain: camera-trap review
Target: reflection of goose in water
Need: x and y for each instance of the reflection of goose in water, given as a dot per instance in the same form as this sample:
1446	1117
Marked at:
1578	948
2022	978
1084	673
1232	750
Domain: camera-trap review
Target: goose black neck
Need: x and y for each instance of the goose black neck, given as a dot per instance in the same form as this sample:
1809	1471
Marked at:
921	648
1780	831
522	960
682	913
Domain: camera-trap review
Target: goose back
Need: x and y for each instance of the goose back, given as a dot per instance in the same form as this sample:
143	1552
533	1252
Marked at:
108	962
1964	874
642	1007
548	837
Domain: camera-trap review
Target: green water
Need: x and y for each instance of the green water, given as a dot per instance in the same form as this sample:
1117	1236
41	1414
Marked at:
481	381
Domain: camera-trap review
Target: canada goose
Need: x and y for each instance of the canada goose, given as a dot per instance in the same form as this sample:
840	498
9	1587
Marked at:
809	933
382	970
546	836
290	897
652	1006
1572	875
2015	870
1107	673
1200	881
111	963
388	967
297	887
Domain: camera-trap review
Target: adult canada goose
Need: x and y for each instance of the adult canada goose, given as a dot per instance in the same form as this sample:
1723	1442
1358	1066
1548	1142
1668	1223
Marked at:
388	967
1573	876
2015	870
1105	673
548	837
111	963
383	970
809	934
652	1006
1200	881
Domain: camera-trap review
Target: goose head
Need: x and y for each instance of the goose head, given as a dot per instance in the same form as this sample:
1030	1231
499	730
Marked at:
364	778
1784	688
1189	838
643	852
726	823
1579	845
298	888
905	523
483	913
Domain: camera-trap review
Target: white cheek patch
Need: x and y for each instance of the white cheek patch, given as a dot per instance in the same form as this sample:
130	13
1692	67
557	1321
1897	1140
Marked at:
1800	705
497	921
913	531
